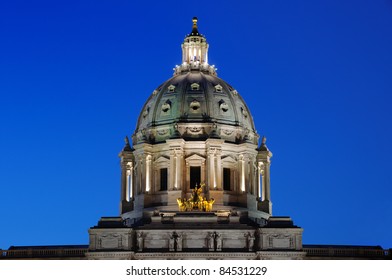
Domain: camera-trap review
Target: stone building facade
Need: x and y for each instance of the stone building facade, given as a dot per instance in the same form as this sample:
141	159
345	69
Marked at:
195	182
195	133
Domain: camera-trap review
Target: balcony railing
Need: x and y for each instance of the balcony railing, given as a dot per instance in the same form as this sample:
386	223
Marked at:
76	253
331	252
314	252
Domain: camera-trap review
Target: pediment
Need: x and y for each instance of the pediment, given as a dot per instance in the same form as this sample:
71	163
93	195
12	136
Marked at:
228	159
162	159
195	157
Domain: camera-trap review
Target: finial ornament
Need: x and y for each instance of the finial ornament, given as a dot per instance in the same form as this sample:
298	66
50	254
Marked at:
127	146
194	20
263	140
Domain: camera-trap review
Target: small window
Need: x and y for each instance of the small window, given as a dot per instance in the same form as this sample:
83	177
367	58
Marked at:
223	106
226	179
171	88
195	105
166	106
164	179
195	86
218	88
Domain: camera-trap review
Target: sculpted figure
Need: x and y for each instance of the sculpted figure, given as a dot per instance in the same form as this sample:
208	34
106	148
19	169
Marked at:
140	241
179	242
181	204
210	241
218	242
209	205
251	241
171	242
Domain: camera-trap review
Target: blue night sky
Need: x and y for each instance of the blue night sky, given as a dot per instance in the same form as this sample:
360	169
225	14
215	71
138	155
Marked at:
317	76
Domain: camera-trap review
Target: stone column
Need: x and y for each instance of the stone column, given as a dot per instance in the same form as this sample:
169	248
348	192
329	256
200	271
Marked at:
176	163
126	202
211	168
218	168
266	181
172	171
148	174
260	187
129	182
242	173
123	181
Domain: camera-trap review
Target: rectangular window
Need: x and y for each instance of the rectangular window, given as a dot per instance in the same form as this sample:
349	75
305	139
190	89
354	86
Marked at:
226	179
195	176
164	179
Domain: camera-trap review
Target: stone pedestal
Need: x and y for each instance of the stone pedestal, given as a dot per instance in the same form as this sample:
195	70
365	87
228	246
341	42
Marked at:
126	206
217	195
172	197
265	206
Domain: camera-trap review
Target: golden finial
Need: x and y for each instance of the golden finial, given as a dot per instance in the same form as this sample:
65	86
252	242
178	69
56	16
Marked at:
194	22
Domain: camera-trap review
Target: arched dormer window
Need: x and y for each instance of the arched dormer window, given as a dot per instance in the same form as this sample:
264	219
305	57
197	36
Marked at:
171	88
195	86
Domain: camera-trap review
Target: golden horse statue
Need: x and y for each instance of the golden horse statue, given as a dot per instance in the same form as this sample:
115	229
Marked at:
196	201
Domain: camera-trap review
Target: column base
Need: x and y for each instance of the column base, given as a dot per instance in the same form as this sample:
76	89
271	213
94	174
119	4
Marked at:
126	206
265	206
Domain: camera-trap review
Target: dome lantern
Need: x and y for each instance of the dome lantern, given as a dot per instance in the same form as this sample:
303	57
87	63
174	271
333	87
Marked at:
195	52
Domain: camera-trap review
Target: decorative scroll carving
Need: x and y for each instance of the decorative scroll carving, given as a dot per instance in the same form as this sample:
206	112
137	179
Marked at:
163	132
195	130
227	132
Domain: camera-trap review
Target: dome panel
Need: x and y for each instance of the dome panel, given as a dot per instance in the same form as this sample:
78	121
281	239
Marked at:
198	98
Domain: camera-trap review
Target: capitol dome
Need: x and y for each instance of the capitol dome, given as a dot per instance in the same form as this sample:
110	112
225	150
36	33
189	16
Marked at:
195	133
195	104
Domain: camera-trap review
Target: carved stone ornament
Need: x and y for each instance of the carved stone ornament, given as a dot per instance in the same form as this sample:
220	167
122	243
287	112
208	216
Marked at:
194	130
140	241
110	241
244	112
163	132
227	131
146	111
281	241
